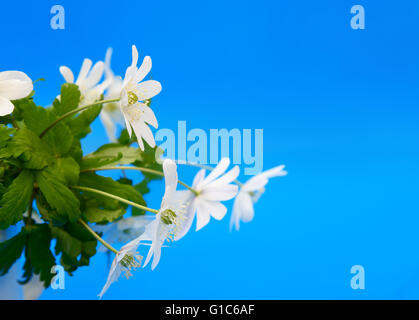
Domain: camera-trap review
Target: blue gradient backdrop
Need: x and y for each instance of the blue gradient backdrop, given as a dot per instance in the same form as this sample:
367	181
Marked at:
339	107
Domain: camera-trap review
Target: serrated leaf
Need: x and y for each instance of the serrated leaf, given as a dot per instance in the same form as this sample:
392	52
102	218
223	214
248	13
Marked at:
10	251
68	100
37	119
27	146
66	170
39	258
66	243
16	199
5	135
110	155
99	208
58	196
80	125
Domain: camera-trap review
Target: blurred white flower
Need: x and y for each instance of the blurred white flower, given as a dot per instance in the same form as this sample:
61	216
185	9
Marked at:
137	114
14	85
211	190
124	230
250	193
111	114
87	81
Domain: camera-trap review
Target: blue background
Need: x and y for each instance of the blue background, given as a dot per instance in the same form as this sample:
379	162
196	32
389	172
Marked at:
338	106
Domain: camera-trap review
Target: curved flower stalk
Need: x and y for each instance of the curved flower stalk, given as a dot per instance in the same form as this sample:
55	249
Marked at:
250	193
14	85
211	190
167	223
87	81
134	92
111	114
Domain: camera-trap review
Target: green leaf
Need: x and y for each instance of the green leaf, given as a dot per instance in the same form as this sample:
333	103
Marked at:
5	135
66	170
95	213
99	208
66	243
58	196
69	99
16	199
80	125
37	119
39	258
110	155
76	246
27	146
10	251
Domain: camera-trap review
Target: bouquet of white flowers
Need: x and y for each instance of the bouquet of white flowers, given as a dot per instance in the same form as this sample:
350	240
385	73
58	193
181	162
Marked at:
54	191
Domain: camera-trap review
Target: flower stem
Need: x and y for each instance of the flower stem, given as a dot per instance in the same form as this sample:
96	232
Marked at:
107	245
52	125
109	195
203	166
156	172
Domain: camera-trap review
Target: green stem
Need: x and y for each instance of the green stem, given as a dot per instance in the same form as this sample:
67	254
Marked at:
107	245
109	195
203	166
70	113
156	172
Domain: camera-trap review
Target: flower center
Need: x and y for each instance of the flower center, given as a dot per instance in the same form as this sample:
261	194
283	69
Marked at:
168	217
132	98
173	222
129	262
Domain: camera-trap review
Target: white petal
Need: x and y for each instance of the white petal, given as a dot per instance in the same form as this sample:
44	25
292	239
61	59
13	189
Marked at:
114	274
255	183
170	178
198	178
202	214
275	172
227	178
190	215
134	56
85	68
15	85
148	89
6	107
142	131
67	74
108	57
217	209
245	204
95	74
143	70
148	115
156	257
220	193
218	170
109	125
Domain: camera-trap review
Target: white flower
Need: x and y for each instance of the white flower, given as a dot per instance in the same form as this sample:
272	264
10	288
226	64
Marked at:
169	220
250	193
111	114
137	115
213	189
126	260
14	85
87	81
